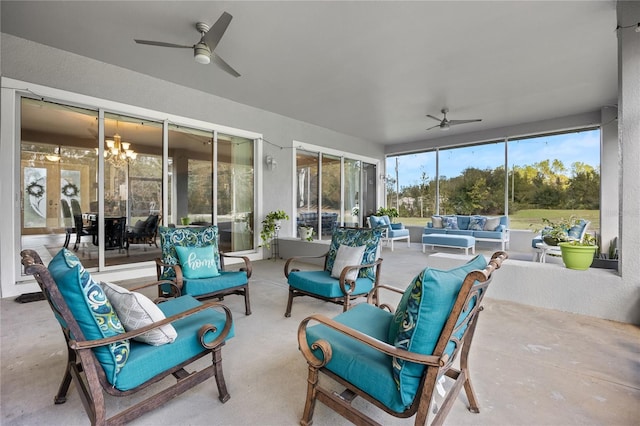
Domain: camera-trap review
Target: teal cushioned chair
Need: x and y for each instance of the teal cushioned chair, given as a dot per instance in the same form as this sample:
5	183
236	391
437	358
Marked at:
392	231
342	290
221	283
395	360
103	359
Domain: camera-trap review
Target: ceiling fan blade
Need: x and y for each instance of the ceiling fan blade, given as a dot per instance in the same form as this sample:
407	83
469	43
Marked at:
433	127
213	36
225	66
162	43
435	118
454	122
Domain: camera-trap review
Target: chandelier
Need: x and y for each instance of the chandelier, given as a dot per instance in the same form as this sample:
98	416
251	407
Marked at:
117	152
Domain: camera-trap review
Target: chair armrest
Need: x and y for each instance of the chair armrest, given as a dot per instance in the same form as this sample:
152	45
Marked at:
325	346
373	297
247	263
178	270
292	260
88	344
397	226
351	284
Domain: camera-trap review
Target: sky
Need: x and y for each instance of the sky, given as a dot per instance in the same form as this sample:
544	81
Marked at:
569	148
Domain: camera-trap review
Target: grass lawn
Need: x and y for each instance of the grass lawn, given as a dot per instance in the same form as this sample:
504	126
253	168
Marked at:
524	218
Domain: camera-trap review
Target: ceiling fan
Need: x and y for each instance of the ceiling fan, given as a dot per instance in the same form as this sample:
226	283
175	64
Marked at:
445	123
204	49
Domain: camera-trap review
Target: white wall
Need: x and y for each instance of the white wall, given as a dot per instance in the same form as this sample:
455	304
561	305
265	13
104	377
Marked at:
46	66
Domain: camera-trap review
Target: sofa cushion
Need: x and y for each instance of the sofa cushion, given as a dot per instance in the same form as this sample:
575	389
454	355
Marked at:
323	284
146	361
420	317
91	309
492	223
135	311
476	223
359	364
347	256
198	262
356	237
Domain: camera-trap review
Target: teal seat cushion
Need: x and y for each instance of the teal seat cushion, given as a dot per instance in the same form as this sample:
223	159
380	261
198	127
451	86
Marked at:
91	309
359	364
354	237
185	237
146	361
420	318
322	284
200	286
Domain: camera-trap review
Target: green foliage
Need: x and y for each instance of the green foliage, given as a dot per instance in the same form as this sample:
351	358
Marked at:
270	226
392	212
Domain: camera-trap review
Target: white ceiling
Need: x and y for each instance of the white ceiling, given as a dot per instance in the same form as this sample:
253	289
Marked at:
367	69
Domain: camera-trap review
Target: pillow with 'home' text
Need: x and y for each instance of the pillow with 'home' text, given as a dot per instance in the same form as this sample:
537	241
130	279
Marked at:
197	262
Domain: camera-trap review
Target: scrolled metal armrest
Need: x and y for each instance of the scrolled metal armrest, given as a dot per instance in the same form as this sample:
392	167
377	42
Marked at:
343	275
376	344
88	344
247	263
291	260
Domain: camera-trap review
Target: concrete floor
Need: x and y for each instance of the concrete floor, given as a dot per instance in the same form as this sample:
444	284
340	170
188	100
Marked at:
529	366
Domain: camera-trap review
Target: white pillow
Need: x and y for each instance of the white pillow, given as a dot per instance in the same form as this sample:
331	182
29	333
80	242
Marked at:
436	221
136	310
347	256
492	223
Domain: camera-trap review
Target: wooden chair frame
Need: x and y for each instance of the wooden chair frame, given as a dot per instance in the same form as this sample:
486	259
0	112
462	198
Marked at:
347	286
436	364
93	383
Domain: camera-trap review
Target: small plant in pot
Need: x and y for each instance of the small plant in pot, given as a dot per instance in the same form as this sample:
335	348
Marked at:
579	254
306	233
270	224
556	231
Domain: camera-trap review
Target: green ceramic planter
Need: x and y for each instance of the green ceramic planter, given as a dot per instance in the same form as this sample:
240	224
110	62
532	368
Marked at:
577	257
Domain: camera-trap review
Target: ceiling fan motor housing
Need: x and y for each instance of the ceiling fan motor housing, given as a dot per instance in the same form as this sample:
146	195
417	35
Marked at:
202	53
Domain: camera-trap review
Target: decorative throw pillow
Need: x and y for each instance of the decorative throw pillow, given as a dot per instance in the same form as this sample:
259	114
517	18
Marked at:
492	223
136	310
347	256
420	317
476	223
91	309
436	221
450	222
170	238
198	262
356	237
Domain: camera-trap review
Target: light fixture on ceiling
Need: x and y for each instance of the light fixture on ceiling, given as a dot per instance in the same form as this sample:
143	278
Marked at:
202	53
118	153
54	157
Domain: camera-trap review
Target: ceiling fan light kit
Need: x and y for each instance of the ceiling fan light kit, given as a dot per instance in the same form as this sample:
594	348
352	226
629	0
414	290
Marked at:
203	50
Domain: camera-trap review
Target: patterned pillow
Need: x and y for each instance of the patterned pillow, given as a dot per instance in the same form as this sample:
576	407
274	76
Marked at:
450	222
91	309
477	223
492	223
136	310
353	237
186	237
420	317
198	262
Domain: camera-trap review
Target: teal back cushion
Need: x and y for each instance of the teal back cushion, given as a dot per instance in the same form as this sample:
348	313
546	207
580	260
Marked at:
198	262
420	318
355	237
91	309
185	237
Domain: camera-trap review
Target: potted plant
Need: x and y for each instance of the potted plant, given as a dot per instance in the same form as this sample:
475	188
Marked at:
392	212
185	220
306	232
270	225
579	254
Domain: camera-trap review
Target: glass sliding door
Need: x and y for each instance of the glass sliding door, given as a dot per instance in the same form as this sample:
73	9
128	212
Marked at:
235	192
331	179
352	170
58	173
190	176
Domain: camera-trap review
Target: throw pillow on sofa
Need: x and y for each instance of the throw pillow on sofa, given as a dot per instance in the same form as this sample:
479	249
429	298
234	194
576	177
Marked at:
476	223
492	223
436	221
450	222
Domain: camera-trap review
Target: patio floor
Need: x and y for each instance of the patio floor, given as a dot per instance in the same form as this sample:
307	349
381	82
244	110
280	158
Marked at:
529	366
